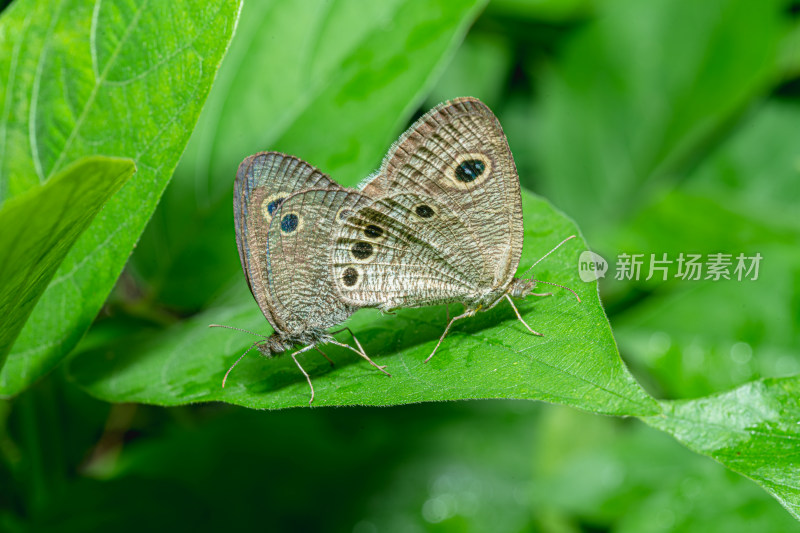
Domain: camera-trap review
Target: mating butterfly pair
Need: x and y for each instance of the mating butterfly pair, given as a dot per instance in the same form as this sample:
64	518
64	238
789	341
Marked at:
440	222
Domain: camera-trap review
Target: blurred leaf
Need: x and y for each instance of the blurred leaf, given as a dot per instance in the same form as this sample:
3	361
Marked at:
489	356
693	345
643	93
679	332
740	200
635	479
756	172
41	225
82	78
547	10
332	85
753	430
504	469
483	63
790	59
495	465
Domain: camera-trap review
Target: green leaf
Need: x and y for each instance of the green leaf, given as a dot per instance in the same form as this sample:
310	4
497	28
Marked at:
80	78
552	11
740	200
753	430
489	356
39	228
631	478
680	333
757	170
487	53
487	465
333	85
643	92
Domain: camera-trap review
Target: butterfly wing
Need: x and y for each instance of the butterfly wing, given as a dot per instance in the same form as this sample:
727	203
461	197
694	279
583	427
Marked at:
405	250
304	296
458	154
263	181
448	197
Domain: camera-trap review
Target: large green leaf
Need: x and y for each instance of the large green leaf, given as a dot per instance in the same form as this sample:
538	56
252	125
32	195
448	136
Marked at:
333	85
754	430
39	228
488	356
117	78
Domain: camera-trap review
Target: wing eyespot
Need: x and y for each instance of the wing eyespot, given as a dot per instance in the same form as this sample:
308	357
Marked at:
470	169
343	214
271	204
351	277
290	222
359	251
424	211
371	231
362	250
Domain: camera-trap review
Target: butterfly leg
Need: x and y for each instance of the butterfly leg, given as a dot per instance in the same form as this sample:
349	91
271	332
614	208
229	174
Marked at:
324	355
468	312
541	294
308	378
361	353
514	307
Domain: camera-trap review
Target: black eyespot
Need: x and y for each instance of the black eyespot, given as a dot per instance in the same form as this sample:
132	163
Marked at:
289	223
350	276
469	170
373	232
361	250
424	211
274	204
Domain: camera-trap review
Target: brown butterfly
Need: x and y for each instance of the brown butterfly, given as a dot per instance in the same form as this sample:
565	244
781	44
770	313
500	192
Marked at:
440	222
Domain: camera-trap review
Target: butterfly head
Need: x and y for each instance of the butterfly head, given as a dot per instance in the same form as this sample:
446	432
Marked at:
273	345
520	287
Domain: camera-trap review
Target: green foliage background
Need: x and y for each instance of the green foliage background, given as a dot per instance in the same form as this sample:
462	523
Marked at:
665	126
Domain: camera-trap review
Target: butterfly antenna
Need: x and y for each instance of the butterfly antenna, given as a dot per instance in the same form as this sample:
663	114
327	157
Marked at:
240	357
556	247
237	329
557	285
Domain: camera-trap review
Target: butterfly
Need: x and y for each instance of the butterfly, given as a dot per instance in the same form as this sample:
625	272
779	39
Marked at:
440	222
